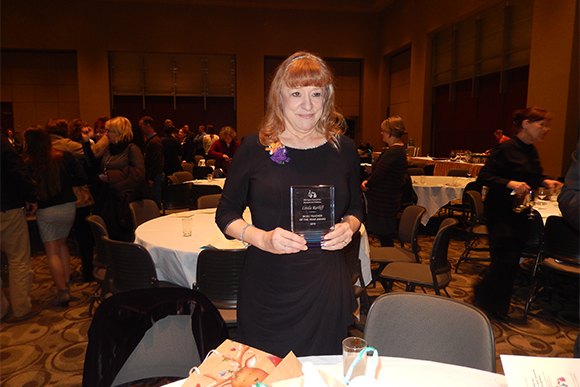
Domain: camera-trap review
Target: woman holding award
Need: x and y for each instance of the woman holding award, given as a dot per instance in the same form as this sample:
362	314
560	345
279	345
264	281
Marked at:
294	295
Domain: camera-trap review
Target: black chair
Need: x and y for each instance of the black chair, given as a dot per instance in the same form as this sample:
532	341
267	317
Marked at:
427	327
557	268
208	201
183	176
436	275
408	233
142	211
415	171
429	169
476	231
464	207
132	266
145	333
202	172
100	261
198	190
218	277
459	172
176	197
351	252
187	167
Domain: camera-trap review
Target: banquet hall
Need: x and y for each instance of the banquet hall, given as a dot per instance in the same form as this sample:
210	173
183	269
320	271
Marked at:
455	71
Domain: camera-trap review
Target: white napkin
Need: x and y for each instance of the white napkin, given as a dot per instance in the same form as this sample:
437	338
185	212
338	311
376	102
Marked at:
183	214
311	376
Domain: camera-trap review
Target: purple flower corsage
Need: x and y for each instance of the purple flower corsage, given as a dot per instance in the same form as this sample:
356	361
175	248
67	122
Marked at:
278	153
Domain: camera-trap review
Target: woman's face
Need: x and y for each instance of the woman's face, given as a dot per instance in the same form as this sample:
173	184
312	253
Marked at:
385	136
228	139
112	136
535	130
302	107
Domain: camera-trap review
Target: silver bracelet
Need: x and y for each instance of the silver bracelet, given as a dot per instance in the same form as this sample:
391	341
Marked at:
242	235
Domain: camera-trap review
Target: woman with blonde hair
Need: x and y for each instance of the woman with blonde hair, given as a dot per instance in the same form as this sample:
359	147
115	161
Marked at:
294	295
384	188
122	172
55	173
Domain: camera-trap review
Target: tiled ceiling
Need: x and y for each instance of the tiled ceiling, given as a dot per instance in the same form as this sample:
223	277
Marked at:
325	5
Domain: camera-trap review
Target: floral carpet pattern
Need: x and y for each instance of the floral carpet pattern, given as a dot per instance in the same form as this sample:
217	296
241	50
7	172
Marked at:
49	349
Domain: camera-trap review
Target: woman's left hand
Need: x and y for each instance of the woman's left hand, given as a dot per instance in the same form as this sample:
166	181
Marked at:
338	238
552	184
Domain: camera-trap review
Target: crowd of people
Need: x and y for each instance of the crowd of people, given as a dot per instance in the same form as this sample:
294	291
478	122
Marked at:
295	295
65	171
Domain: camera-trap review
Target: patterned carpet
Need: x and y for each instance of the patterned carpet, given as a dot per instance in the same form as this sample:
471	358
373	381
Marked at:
49	349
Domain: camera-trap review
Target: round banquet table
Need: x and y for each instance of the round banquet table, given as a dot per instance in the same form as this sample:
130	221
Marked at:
400	372
442	167
175	256
437	191
220	182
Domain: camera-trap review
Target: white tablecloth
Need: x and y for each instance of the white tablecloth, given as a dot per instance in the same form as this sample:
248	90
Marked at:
399	372
547	208
437	191
219	182
175	256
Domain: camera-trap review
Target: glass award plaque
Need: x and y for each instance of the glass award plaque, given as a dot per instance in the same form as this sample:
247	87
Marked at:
312	209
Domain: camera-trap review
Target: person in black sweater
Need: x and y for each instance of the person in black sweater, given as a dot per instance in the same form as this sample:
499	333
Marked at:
513	168
384	188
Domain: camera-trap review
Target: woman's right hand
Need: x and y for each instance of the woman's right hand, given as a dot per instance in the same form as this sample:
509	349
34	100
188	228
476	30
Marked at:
86	133
520	187
280	241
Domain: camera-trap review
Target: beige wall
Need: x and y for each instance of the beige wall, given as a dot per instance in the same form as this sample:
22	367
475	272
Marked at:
553	66
92	28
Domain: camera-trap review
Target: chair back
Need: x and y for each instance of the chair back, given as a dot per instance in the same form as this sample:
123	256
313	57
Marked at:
183	176
415	171
535	237
429	169
202	172
429	327
458	172
99	229
409	229
438	262
132	266
172	180
198	190
142	211
218	276
197	159
208	201
476	207
187	167
177	197
561	241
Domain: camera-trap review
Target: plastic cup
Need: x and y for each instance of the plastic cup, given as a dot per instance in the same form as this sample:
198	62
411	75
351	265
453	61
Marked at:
187	224
351	347
210	177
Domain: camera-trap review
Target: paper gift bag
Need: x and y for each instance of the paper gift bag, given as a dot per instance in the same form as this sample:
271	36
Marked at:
233	364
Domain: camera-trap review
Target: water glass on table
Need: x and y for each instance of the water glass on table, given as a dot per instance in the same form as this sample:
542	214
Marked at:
187	224
351	347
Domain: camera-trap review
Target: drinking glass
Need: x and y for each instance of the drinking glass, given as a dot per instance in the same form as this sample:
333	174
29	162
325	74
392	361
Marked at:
351	347
187	224
542	194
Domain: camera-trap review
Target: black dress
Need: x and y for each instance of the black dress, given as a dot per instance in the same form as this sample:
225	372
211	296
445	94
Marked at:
300	302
